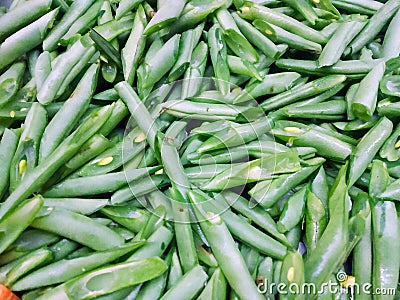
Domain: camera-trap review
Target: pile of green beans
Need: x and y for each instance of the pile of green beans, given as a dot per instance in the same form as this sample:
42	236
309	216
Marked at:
200	149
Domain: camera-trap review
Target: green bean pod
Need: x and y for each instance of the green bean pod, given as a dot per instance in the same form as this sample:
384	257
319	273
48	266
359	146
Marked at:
312	88
215	288
67	61
227	254
218	54
123	275
270	84
303	135
153	69
391	45
26	156
256	214
363	105
8	146
293	211
65	119
385	236
21	16
134	46
10	82
367	148
374	26
101	237
188	285
67	269
18	220
279	35
315	220
254	11
77	9
195	71
268	192
340	39
25	39
43	172
323	260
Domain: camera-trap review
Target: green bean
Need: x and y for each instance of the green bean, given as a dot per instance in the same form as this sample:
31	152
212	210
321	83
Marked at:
134	46
16	222
21	16
260	169
77	9
385	236
362	254
215	288
80	205
233	134
340	39
166	15
134	190
279	35
194	72
227	254
65	119
93	147
303	135
255	214
98	184
348	67
270	84
367	148
323	260
189	41
254	11
293	211
25	264
329	110
125	7
101	237
315	220
113	28
32	181
374	25
129	217
312	88
82	23
58	77
42	68
218	54
363	106
391	46
194	13
8	146
26	156
257	38
188	286
67	269
10	82
153	69
268	192
155	244
369	4
123	275
241	229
